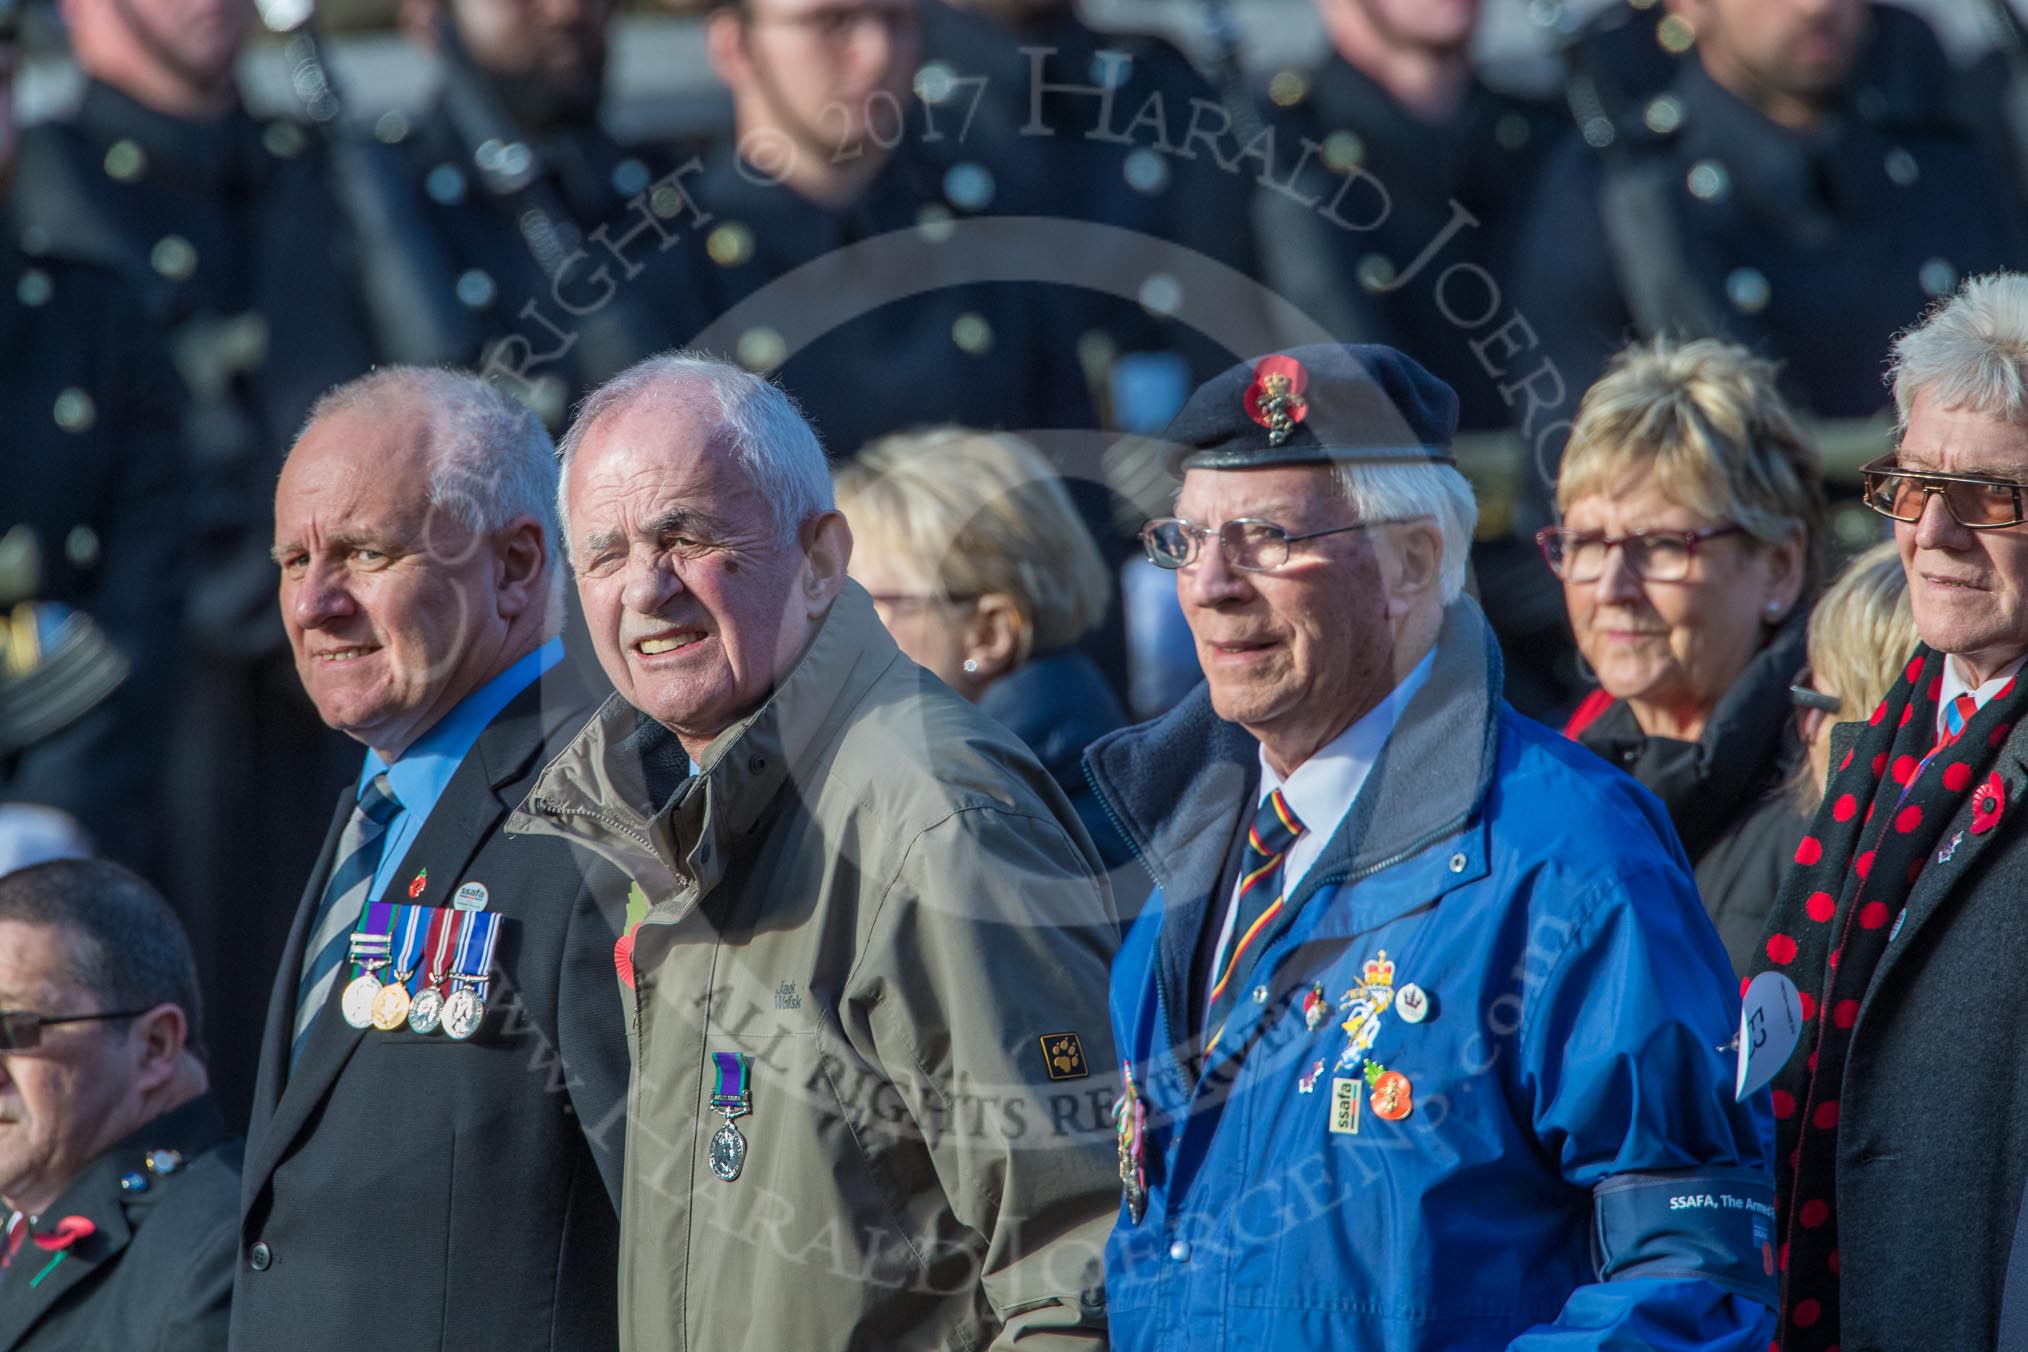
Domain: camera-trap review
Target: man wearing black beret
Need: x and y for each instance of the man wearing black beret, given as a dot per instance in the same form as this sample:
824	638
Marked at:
1423	1025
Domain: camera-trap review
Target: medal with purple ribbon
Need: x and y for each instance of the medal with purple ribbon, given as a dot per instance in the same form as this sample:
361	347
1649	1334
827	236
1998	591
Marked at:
369	951
733	1100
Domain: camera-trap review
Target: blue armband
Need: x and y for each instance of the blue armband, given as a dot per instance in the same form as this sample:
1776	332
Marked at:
1714	1225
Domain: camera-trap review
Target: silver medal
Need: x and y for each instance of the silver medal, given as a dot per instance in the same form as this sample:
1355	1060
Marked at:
728	1152
462	1013
357	1003
427	1011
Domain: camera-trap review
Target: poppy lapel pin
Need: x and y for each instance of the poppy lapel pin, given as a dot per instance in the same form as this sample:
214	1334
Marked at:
1989	800
67	1232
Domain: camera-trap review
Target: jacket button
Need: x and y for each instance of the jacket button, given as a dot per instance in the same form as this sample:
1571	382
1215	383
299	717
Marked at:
1180	1251
1457	863
260	1257
1260	994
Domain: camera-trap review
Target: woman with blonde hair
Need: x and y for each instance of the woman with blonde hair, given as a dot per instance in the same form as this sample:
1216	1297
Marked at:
1691	517
982	570
1861	634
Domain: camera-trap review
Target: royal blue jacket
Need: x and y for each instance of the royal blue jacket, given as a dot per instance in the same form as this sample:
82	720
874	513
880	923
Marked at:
1573	1171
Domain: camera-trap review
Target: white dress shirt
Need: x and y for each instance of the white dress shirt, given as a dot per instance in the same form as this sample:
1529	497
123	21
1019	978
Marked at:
1323	788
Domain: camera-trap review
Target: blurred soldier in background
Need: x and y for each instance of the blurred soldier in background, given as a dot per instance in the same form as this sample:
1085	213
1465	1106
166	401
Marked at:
228	227
516	172
1402	164
1117	128
1404	181
92	514
1800	187
831	150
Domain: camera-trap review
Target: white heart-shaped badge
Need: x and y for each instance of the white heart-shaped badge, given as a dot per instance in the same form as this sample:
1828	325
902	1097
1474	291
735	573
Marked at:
1770	1022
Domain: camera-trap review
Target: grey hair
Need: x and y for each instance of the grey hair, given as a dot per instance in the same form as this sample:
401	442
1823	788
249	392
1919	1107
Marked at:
1414	493
758	423
1968	351
491	461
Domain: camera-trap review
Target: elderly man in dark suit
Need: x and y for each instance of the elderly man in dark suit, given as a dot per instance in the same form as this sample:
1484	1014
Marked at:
119	1187
1903	1114
434	1144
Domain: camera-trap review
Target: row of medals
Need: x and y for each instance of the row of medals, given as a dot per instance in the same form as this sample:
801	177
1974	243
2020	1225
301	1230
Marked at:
369	1004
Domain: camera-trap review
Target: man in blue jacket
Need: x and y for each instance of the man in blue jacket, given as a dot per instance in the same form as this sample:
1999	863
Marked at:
1425	1028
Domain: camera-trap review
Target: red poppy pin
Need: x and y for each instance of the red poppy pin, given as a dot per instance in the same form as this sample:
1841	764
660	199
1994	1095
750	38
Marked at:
1988	802
68	1231
418	883
1275	399
623	956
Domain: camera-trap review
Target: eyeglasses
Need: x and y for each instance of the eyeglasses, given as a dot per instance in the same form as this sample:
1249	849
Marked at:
1254	546
1653	555
1974	501
1807	698
21	1029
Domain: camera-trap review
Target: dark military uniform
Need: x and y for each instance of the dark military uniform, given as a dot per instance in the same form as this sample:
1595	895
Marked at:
155	1275
91	465
1060	120
1367	222
1703	217
861	354
231	234
519	221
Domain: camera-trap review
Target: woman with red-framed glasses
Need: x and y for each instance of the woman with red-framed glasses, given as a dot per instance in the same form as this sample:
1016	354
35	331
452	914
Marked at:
1690	513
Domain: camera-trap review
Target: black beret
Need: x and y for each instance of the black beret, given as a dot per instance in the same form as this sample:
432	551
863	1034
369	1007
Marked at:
1324	404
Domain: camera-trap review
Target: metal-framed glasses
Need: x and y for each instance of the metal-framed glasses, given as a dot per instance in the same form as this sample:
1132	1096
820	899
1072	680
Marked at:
21	1029
1248	544
1974	501
1652	555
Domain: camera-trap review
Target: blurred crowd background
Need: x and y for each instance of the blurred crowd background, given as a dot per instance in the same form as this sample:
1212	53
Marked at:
1038	217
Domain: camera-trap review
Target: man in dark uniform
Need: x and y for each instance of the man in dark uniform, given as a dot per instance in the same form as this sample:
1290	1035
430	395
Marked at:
436	1131
1401	167
1794	189
1055	118
92	517
226	225
517	173
829	153
119	1187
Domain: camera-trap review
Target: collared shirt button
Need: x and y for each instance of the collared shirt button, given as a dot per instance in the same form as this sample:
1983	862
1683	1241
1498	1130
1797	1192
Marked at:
1260	994
260	1257
1180	1251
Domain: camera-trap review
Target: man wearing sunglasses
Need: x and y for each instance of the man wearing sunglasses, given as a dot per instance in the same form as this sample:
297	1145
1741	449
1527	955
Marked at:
1909	884
119	1188
1421	1021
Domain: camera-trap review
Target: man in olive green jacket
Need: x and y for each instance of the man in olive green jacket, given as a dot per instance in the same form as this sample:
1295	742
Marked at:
872	1070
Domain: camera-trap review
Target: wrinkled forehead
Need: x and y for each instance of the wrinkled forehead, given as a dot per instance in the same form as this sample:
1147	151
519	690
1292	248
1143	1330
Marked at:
1291	494
635	467
1963	441
41	965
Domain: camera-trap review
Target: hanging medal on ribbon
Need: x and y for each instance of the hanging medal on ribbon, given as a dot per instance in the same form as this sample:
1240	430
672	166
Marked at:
426	1011
465	1008
1130	1124
732	1101
369	951
390	1003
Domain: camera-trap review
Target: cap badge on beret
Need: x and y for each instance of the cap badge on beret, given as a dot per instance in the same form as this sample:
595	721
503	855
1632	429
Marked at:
1275	399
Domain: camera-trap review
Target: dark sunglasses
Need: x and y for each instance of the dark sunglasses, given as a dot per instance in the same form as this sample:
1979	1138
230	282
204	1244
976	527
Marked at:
1974	501
21	1029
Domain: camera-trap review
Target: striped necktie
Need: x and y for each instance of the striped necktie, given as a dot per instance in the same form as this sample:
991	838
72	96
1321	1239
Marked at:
1275	828
1956	714
345	896
17	1230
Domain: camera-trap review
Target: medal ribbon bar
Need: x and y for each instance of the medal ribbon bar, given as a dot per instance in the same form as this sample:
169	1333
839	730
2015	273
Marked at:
735	1094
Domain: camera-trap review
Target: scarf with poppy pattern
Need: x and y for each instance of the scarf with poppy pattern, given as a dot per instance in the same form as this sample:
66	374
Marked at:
1899	802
